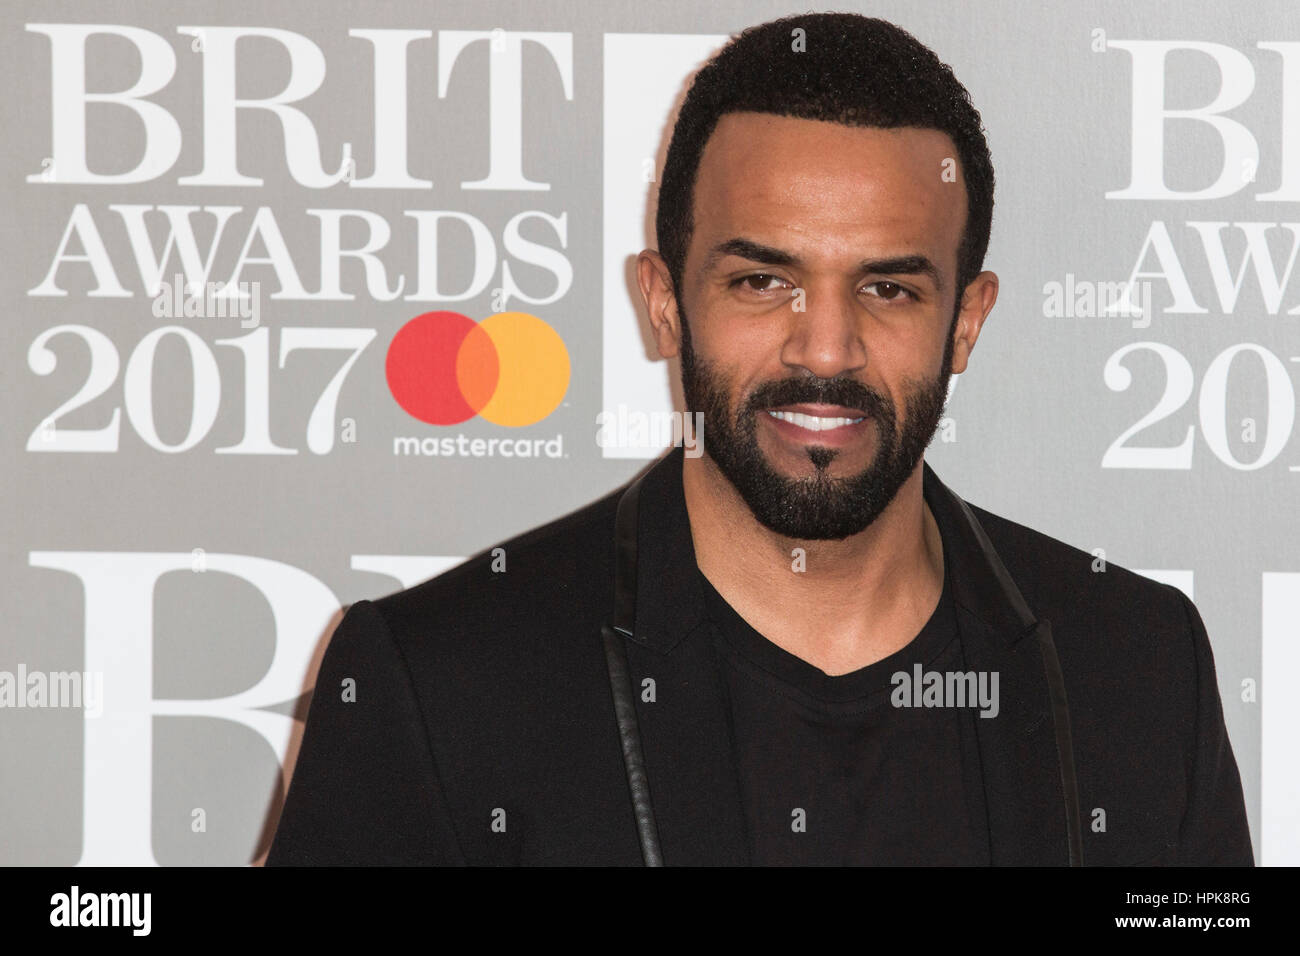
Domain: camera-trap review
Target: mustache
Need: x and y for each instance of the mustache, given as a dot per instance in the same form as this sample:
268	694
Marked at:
795	391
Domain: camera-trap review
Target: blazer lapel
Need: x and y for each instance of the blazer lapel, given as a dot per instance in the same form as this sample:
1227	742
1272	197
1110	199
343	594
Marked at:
686	729
1030	819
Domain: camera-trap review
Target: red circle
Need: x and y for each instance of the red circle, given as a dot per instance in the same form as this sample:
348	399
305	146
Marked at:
422	367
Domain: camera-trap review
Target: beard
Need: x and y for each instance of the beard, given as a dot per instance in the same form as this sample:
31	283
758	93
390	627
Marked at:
820	507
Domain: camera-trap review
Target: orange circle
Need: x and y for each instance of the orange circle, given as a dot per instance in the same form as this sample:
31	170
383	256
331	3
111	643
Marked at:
534	369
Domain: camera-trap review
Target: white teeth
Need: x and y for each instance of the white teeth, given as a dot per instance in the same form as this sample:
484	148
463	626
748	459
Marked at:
812	422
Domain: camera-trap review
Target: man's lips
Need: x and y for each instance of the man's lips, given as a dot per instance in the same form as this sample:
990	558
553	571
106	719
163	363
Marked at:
823	424
821	411
818	418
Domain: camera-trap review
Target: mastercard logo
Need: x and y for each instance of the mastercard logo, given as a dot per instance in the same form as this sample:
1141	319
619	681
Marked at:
510	369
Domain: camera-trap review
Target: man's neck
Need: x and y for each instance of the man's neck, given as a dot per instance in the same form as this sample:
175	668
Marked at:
845	604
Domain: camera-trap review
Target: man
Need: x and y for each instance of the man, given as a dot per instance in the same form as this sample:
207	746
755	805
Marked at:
800	647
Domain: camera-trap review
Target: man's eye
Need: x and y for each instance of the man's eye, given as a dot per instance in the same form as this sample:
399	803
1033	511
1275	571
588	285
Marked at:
760	282
889	290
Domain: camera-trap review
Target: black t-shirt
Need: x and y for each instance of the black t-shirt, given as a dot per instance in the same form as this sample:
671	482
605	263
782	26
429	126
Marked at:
832	772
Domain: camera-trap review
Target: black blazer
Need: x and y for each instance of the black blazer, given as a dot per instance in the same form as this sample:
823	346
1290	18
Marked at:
483	730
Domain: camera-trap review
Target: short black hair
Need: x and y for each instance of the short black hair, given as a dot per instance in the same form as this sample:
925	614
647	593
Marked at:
843	68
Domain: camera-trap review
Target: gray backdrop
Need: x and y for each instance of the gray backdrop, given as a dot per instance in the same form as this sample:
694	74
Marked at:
198	585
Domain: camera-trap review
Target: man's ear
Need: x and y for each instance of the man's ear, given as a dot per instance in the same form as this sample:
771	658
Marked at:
976	304
656	284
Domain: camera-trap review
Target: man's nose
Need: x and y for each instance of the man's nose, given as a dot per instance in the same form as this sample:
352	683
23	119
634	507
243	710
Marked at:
826	338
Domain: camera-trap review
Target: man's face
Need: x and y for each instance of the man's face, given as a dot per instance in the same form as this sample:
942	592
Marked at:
820	289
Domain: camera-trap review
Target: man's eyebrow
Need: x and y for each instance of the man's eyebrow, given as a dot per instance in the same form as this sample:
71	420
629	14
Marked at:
757	252
748	249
